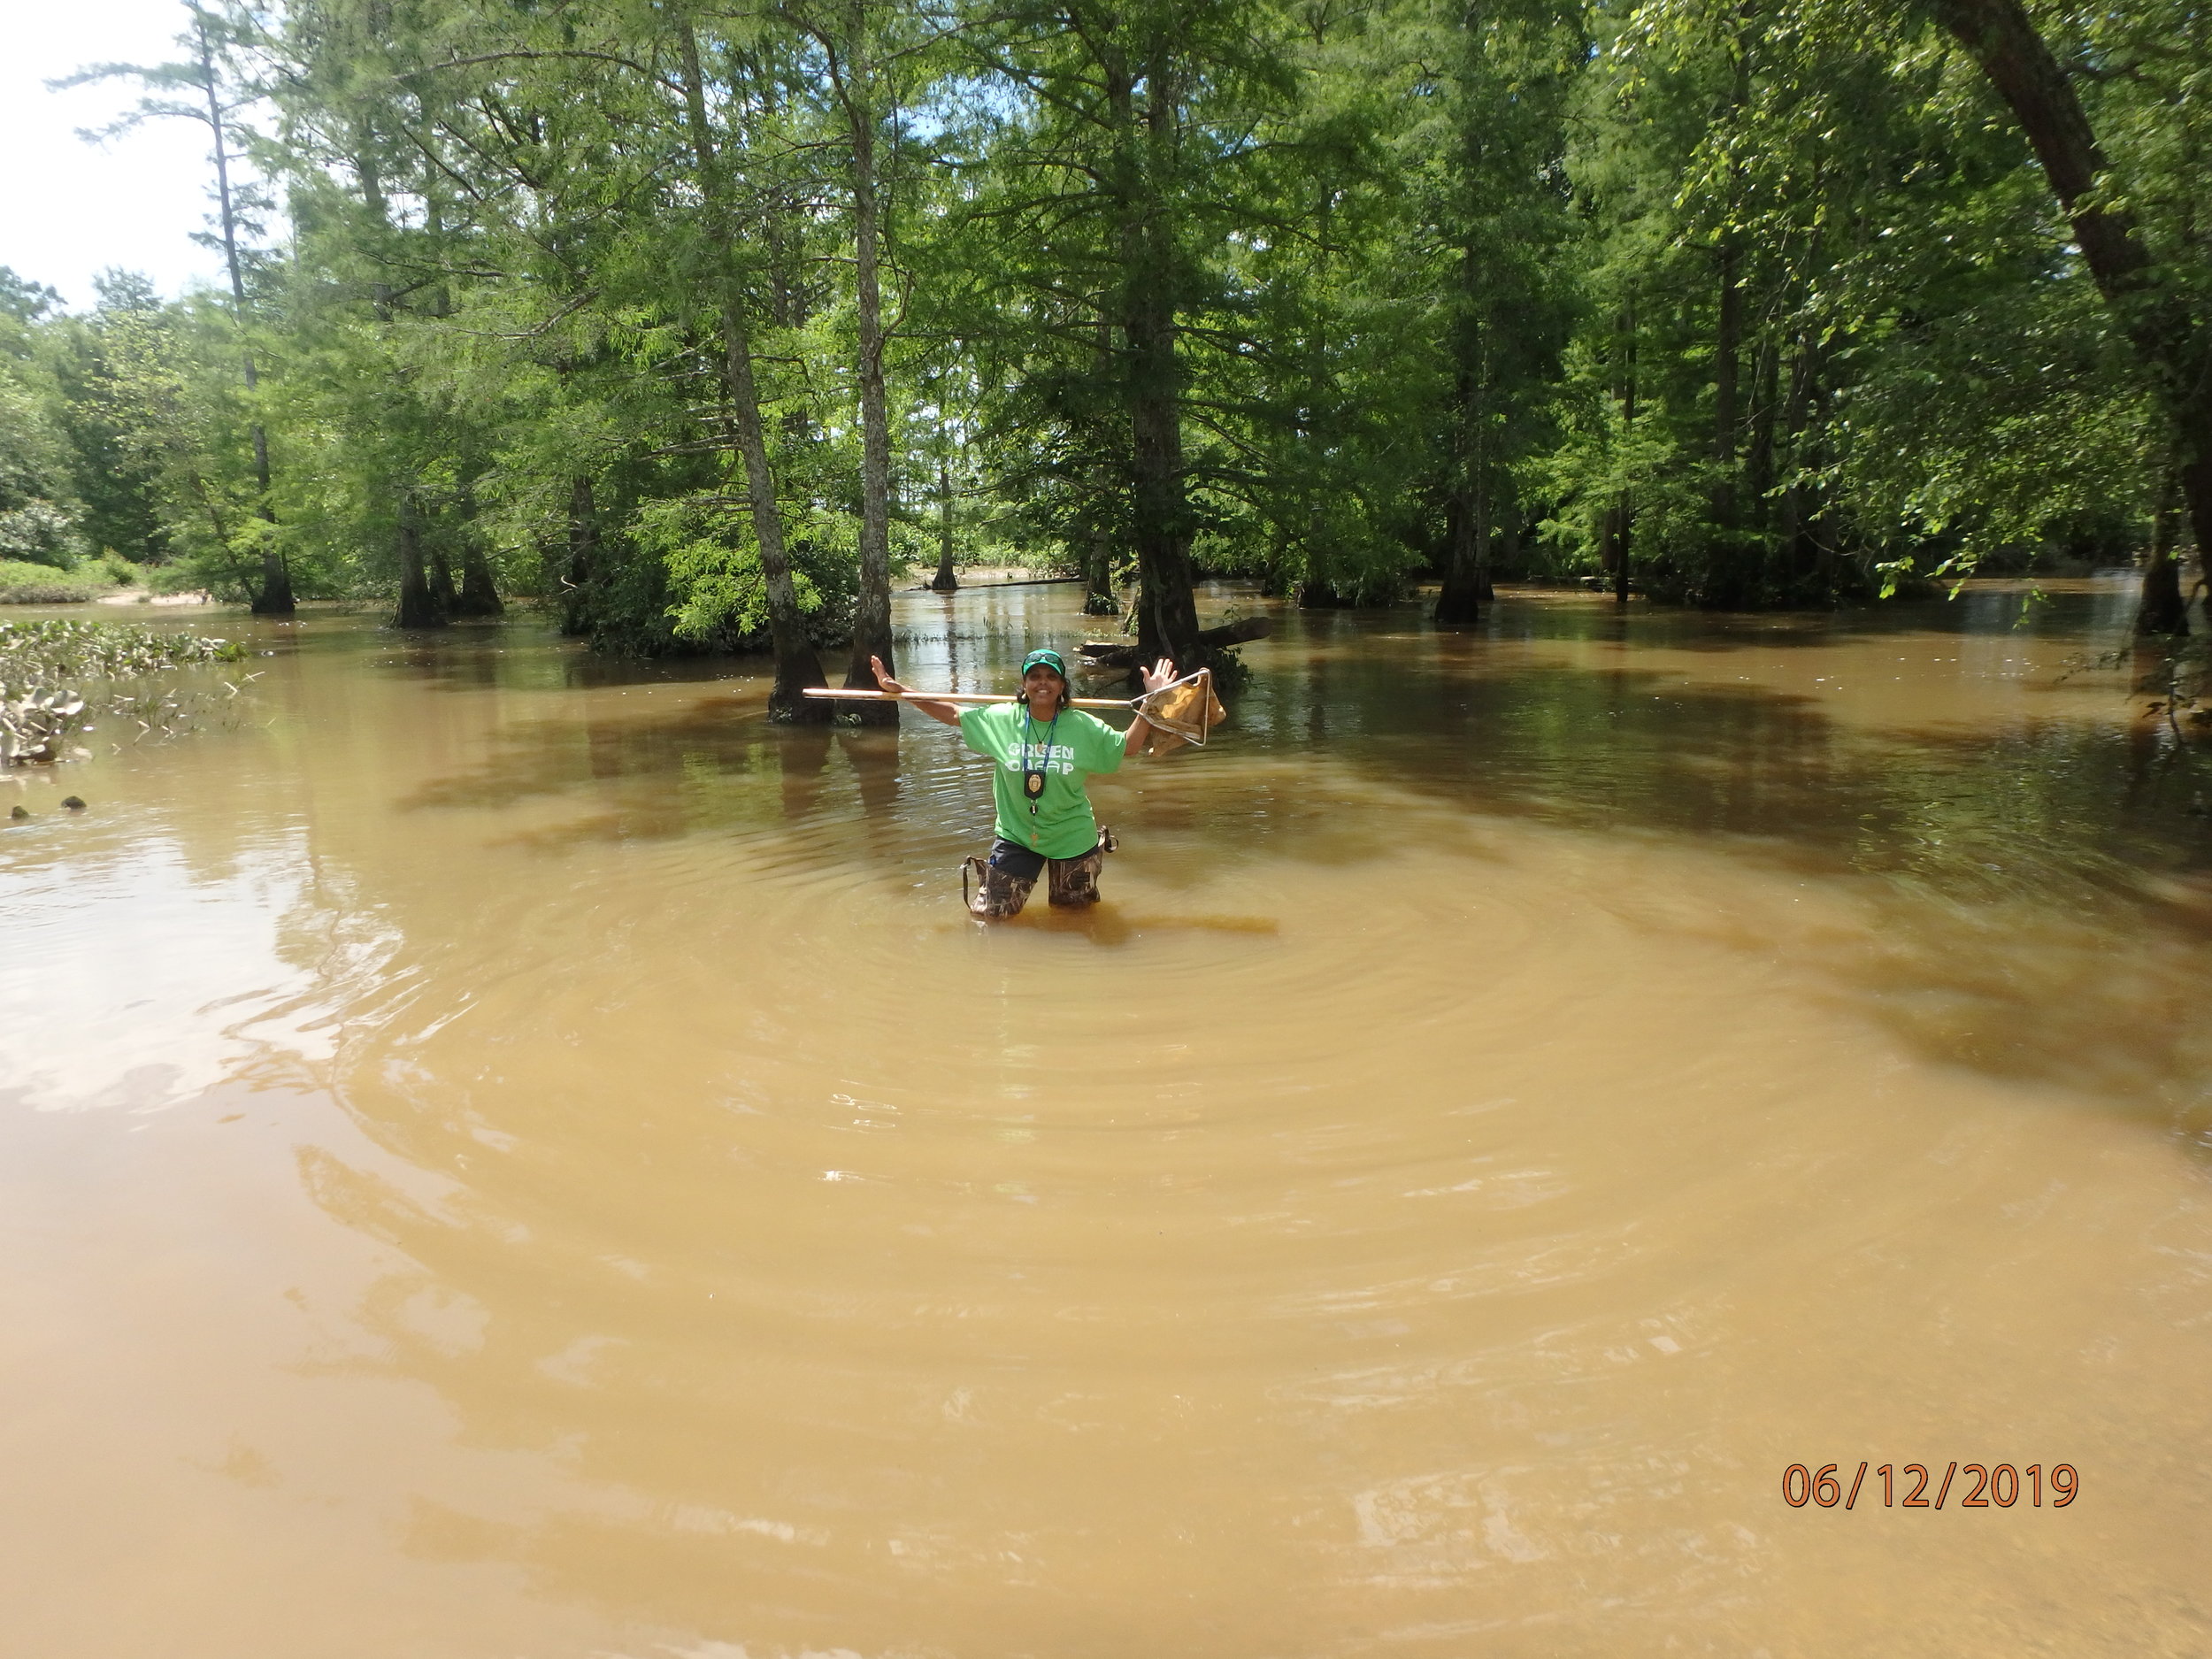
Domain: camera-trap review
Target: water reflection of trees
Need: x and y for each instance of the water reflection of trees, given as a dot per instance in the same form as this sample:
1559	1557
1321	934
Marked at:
2042	890
2047	842
2053	804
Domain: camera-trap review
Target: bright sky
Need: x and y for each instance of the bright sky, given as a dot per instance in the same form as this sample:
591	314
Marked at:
69	209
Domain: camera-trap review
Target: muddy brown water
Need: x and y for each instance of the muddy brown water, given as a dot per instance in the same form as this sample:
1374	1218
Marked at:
505	1153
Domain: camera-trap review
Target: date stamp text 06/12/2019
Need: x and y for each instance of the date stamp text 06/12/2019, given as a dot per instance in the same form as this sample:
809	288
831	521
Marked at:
1988	1485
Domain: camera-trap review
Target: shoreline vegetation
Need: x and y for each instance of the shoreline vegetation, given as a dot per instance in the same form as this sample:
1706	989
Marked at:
108	580
22	583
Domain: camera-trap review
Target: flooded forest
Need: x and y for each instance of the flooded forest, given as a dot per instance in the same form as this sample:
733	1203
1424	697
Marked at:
1648	1092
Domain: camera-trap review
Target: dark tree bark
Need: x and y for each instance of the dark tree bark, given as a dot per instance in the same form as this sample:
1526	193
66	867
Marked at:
441	584
479	594
1099	597
1467	579
1167	607
1460	601
2156	317
418	602
944	581
273	597
1467	519
2163	609
583	548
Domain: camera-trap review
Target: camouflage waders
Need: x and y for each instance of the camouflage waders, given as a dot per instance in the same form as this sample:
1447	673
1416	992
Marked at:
998	890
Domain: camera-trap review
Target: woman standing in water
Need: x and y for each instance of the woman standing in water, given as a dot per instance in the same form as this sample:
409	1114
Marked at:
1041	753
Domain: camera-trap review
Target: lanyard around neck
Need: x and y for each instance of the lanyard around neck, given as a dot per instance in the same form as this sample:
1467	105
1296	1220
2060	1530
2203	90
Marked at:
1033	782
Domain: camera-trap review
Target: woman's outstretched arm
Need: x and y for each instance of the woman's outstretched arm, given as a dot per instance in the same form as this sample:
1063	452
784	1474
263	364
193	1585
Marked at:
944	711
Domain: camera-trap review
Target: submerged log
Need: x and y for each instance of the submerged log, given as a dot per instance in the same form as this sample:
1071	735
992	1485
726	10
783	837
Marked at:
1123	653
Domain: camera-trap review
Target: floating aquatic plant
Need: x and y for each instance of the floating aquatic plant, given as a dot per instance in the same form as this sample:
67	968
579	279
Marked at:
45	665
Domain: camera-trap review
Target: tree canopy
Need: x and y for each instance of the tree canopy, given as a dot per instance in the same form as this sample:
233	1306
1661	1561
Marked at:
700	321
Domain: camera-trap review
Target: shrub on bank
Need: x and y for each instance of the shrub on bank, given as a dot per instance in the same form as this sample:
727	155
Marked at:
26	584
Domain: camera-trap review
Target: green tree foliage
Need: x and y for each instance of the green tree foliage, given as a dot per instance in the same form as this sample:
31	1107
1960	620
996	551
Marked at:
38	517
207	87
702	320
1834	337
120	509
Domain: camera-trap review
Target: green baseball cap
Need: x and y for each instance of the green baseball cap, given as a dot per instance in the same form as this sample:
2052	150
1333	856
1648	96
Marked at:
1045	656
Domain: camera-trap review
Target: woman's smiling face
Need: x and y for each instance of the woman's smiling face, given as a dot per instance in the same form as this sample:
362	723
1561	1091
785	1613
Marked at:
1041	691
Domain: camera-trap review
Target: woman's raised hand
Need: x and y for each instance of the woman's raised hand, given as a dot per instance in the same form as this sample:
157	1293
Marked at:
1161	673
944	711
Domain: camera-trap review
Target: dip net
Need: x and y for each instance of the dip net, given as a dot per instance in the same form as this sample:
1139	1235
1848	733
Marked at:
1183	712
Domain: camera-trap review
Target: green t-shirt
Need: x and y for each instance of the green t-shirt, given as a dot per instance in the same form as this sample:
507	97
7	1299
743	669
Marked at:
1063	826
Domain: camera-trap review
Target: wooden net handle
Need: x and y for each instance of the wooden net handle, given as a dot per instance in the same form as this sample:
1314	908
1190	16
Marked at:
859	695
1191	732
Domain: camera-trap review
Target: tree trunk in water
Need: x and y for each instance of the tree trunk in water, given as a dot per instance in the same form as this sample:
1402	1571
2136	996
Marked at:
1467	573
1467	516
1099	597
583	544
418	606
1620	543
797	667
479	594
944	581
1459	600
2155	314
1167	609
441	587
273	598
872	606
2162	609
2196	485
